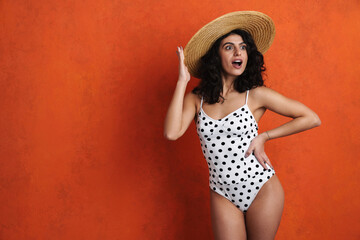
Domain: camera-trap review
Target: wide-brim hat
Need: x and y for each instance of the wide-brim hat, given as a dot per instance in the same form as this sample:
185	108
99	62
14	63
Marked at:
260	26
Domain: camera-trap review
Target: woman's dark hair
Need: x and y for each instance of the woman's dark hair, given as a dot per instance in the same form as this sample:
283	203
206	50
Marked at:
210	68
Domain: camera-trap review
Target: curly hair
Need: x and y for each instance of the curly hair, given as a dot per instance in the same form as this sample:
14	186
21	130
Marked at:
211	86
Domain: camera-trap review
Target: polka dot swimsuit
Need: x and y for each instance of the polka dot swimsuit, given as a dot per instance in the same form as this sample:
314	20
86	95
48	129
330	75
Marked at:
224	143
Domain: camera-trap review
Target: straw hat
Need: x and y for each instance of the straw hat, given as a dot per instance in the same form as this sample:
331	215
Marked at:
259	25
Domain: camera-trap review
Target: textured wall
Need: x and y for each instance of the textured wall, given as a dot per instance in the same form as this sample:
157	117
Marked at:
85	87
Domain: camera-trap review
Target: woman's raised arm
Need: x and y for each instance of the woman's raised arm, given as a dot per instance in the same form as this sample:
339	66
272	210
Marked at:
181	110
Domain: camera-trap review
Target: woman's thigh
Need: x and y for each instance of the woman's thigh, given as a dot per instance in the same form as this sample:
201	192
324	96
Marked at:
264	214
227	220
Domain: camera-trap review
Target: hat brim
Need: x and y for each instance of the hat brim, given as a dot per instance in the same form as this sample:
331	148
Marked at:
259	25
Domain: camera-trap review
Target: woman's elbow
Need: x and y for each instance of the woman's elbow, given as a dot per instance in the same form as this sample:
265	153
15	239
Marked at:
316	120
171	137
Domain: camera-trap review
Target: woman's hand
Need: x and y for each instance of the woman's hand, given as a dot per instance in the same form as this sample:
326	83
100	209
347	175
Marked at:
184	74
257	146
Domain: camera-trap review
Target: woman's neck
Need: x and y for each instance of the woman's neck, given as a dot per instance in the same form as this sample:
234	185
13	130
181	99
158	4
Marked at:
228	85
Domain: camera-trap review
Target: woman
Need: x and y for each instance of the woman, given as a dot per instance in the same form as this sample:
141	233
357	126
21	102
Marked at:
226	106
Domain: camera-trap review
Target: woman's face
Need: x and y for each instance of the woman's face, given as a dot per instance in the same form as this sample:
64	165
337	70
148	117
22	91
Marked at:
233	55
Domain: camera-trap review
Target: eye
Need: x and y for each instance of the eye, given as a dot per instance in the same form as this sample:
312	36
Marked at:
243	47
228	47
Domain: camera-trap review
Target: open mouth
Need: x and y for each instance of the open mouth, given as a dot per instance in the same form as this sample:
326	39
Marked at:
237	63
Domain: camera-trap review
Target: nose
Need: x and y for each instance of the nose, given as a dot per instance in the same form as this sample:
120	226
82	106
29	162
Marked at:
237	51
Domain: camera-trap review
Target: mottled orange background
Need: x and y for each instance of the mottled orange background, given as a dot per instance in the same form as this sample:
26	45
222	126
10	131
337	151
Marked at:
85	86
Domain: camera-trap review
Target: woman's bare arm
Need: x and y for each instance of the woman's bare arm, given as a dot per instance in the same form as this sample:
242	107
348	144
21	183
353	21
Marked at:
303	119
181	110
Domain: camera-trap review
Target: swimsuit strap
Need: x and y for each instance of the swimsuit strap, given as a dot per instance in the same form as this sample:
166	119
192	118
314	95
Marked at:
247	94
201	102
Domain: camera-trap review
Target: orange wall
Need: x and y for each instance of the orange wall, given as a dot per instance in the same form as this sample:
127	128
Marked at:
84	91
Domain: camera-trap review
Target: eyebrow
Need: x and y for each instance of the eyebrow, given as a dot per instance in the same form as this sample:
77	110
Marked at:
232	43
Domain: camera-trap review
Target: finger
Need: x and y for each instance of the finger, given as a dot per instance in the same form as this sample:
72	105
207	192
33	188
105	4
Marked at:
261	160
182	52
263	163
267	160
248	152
181	55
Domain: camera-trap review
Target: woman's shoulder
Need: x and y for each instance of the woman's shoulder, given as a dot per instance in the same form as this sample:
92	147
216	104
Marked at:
193	98
262	95
261	92
260	89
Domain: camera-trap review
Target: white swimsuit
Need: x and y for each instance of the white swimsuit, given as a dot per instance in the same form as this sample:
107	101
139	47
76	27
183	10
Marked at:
224	143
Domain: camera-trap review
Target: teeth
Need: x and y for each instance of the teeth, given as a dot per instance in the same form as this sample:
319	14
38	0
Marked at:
238	62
